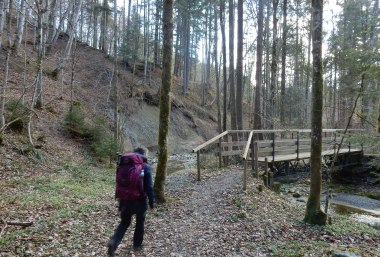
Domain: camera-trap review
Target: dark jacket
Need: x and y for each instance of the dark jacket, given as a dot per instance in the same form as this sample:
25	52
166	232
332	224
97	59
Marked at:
133	207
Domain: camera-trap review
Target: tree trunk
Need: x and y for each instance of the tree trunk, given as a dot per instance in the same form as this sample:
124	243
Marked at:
283	63
95	14
266	108
224	53
76	6
378	119
156	34
176	49
146	38
231	77
114	79
57	31
37	97
259	61
2	10
167	21
273	79
239	67
51	24
73	61
186	49
2	90
308	73
314	214
217	82
20	27
103	27
9	23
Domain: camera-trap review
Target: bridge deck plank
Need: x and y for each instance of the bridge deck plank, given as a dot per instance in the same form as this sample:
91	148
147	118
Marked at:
304	155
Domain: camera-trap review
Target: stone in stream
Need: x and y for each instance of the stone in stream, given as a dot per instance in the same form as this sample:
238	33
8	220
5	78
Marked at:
296	195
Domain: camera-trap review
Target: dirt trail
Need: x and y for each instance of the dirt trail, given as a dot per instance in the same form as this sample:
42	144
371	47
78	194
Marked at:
199	225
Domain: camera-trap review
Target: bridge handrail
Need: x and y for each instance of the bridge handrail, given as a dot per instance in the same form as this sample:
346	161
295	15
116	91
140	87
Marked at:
212	140
245	153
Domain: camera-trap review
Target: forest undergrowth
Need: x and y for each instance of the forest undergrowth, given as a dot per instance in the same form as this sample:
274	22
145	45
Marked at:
73	213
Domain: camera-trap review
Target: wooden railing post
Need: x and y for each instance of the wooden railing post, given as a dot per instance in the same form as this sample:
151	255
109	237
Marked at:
334	142
198	166
229	148
256	160
220	153
252	154
298	145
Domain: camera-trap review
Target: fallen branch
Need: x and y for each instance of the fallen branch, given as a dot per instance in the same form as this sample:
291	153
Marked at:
8	185
16	223
2	232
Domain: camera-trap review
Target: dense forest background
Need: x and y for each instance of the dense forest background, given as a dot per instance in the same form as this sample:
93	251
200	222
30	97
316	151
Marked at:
251	60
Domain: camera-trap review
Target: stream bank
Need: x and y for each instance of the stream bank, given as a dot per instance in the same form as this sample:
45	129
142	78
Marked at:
357	197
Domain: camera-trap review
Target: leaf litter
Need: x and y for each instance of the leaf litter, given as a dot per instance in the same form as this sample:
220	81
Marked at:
211	217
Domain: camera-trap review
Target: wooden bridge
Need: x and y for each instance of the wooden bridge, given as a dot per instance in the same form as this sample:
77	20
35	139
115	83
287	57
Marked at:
281	149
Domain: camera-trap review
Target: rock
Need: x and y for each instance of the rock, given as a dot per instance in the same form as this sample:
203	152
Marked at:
296	195
344	254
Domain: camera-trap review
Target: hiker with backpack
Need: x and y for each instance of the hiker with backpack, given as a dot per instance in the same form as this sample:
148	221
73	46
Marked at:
133	186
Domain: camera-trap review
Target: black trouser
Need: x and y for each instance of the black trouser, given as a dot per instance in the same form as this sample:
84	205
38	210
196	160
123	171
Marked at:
138	235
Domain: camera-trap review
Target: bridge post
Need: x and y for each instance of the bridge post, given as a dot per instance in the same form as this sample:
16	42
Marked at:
229	148
298	145
252	154
256	161
220	153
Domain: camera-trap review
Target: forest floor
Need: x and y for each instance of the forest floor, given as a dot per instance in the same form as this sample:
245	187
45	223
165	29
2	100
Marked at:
74	214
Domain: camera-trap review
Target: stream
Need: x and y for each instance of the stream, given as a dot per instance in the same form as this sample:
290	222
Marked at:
360	208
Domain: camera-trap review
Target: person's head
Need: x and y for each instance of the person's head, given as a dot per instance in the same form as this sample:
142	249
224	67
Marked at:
141	150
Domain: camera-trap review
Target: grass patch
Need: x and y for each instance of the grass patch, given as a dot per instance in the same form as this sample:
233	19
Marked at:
58	203
372	195
344	226
60	189
290	249
294	248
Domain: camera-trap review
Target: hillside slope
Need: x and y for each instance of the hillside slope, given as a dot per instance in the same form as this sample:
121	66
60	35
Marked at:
92	71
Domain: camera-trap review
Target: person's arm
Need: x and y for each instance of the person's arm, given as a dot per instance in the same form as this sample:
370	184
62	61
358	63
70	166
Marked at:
148	185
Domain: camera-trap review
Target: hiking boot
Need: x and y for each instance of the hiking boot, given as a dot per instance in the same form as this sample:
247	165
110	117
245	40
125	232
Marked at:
111	248
137	247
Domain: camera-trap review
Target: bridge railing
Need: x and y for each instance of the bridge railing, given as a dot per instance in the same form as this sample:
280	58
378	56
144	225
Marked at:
242	143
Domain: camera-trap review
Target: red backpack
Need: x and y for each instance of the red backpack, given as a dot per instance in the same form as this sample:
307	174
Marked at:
130	177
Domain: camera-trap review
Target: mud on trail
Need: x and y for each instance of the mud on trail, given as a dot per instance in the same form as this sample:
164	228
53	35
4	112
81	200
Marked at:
74	214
